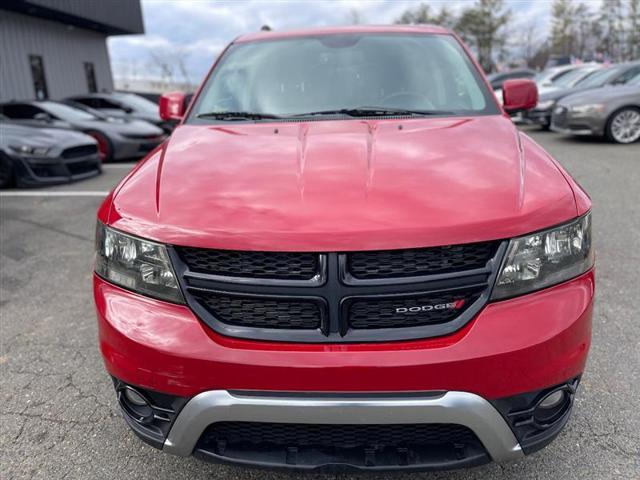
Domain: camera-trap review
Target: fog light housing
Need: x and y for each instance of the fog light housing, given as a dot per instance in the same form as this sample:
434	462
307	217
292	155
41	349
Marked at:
135	398
552	400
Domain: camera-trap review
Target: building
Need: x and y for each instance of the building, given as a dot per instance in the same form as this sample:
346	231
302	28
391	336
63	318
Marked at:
56	48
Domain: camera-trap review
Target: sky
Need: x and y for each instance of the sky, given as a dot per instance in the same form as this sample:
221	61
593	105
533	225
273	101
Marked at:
197	30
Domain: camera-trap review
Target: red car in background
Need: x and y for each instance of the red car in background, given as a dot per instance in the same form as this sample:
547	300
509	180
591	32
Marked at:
346	255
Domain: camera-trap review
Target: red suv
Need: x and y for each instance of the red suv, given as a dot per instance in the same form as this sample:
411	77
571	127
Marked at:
346	255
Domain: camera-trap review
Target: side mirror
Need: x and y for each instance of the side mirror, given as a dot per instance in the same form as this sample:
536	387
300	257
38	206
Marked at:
172	106
519	95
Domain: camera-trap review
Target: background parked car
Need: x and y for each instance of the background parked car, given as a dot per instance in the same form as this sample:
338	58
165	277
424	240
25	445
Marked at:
125	105
32	156
612	112
497	79
117	138
570	79
615	75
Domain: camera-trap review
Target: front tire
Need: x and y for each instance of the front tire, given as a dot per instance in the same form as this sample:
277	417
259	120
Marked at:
623	126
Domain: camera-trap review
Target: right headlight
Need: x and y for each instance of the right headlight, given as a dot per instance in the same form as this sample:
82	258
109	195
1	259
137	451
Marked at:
136	264
545	258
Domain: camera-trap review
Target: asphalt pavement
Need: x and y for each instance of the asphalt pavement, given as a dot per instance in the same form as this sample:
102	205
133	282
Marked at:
58	413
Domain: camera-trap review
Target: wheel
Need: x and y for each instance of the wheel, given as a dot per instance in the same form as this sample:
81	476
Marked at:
7	175
624	125
105	147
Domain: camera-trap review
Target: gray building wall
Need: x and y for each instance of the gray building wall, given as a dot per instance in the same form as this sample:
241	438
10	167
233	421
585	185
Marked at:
63	48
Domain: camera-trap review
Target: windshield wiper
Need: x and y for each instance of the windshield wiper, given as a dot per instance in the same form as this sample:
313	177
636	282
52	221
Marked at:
237	115
375	112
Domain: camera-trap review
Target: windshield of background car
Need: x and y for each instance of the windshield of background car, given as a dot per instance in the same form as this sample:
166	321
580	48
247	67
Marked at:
295	76
136	102
65	112
571	77
600	78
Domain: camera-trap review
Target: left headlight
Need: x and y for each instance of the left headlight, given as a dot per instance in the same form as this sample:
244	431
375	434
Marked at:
545	258
587	109
135	264
28	151
546	105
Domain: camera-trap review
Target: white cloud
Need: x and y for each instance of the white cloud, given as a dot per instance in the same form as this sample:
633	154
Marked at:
199	29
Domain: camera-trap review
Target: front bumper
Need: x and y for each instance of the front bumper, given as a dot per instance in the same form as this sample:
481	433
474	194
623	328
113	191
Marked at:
537	117
31	172
529	344
567	122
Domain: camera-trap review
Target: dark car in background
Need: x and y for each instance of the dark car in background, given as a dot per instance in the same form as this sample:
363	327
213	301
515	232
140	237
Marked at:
124	105
497	79
615	75
117	138
32	156
610	112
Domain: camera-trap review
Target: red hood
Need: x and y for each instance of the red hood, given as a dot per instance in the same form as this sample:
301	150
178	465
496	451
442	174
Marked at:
343	185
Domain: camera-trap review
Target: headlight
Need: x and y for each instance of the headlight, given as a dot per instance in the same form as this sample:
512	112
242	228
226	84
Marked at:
27	151
587	109
546	105
135	264
546	258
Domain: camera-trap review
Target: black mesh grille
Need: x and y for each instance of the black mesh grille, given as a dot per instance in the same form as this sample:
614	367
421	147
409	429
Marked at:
339	436
409	311
560	117
81	151
262	312
267	265
418	262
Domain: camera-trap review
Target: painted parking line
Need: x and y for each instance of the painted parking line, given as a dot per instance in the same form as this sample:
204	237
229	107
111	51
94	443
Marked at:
35	193
116	166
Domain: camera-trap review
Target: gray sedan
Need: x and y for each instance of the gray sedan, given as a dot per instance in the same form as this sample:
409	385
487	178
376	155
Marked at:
117	138
613	112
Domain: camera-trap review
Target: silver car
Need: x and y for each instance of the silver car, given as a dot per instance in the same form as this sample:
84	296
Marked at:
117	138
612	112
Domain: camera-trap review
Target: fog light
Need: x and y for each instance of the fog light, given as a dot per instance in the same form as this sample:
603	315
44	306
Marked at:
134	398
552	400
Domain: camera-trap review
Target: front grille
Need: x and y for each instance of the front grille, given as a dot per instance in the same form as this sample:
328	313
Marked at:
265	265
361	446
262	312
419	262
338	436
413	311
81	151
560	117
338	297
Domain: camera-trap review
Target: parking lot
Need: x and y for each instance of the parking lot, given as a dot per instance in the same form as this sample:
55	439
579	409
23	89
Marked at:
58	414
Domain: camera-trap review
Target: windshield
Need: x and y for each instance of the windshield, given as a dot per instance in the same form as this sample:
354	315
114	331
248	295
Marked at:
600	78
136	102
634	81
571	77
65	112
296	76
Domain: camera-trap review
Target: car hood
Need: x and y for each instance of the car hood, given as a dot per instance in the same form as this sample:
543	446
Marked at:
343	185
602	95
18	135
